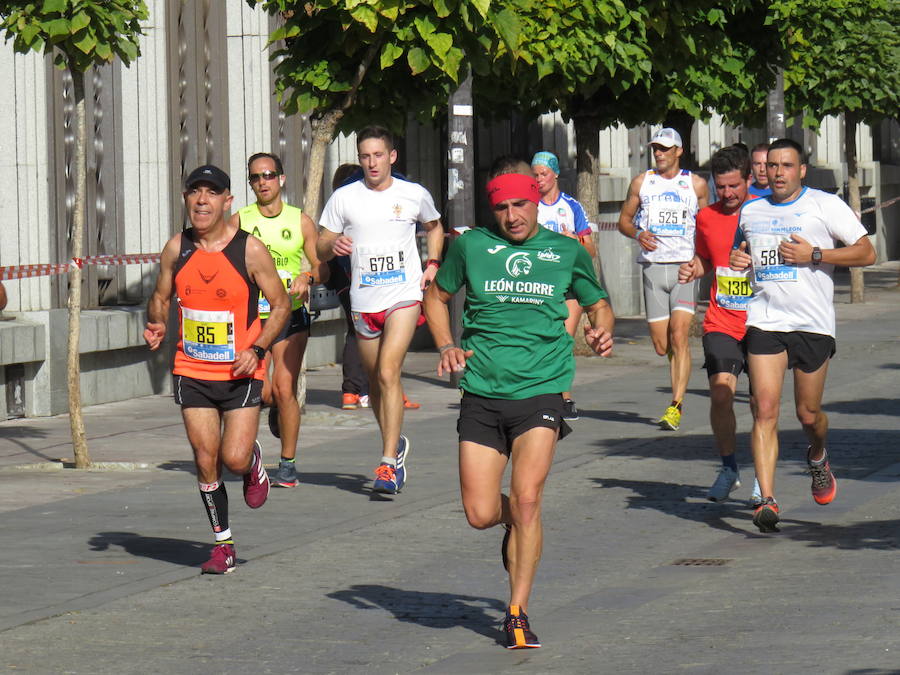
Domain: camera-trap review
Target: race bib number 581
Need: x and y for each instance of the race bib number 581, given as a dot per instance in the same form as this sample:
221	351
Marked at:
768	265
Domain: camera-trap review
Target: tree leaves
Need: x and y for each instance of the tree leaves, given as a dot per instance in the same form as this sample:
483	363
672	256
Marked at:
83	33
845	57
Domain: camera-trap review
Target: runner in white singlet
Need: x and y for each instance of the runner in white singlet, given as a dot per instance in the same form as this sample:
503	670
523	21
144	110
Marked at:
659	212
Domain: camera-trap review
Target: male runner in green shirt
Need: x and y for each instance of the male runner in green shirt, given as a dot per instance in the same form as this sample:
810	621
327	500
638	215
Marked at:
518	360
290	236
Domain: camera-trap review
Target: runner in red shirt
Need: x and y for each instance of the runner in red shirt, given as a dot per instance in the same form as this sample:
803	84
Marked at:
723	326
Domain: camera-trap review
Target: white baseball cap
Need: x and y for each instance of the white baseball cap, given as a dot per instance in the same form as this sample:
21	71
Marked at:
666	137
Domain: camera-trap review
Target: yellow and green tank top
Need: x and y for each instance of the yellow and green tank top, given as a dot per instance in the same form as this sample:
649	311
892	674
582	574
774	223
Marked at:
283	236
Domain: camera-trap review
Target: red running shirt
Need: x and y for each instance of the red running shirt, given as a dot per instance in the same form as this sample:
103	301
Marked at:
714	241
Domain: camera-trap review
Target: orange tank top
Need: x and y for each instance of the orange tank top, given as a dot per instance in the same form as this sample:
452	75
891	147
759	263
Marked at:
217	309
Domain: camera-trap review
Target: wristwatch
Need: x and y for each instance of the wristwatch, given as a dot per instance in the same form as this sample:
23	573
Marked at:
259	351
816	256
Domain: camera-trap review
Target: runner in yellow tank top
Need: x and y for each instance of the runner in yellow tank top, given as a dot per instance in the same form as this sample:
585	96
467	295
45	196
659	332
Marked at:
290	236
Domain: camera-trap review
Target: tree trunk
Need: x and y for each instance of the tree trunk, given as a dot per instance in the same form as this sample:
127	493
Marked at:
587	164
857	285
73	365
587	154
323	130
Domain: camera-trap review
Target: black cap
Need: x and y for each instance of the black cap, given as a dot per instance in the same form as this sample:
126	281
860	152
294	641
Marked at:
208	174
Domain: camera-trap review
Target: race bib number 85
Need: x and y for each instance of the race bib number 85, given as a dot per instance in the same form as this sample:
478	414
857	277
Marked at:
207	336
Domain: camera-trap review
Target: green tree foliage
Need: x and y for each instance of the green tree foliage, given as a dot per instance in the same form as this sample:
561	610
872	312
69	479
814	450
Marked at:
353	62
844	60
78	34
844	56
633	62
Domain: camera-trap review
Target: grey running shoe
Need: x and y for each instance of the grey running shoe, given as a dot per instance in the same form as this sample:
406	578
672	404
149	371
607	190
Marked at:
286	476
570	412
727	480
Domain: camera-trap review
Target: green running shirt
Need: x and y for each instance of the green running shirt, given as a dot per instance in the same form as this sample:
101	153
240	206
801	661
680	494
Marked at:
283	236
514	319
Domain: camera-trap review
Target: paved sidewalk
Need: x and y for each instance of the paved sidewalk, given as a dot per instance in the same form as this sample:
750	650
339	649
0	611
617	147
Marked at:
99	568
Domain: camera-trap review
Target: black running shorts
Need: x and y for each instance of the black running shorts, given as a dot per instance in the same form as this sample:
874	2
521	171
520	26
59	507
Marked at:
806	351
298	322
220	394
723	354
497	422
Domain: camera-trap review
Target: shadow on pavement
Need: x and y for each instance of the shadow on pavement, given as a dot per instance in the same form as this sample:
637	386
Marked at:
350	482
175	551
432	610
673	498
178	465
854	453
882	535
617	416
865	406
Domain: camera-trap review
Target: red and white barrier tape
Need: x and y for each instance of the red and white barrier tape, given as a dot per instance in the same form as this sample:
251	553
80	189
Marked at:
49	269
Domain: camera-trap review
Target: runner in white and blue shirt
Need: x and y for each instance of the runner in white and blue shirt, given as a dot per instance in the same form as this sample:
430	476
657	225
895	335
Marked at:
789	241
563	214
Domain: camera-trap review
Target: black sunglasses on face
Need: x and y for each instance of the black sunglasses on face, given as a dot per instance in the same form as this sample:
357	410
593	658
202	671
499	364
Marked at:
265	175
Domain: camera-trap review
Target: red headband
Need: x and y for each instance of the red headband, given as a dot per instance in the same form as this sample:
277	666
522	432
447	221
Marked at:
512	186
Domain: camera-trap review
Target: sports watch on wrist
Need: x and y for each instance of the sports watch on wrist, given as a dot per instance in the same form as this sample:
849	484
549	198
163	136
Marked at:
259	351
816	255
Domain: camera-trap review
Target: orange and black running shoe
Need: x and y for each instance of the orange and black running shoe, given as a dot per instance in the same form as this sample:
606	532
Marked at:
518	632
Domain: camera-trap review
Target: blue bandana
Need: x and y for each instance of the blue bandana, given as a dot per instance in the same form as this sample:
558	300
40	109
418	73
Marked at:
548	159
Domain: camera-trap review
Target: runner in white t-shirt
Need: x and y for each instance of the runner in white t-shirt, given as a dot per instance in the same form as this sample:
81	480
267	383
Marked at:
659	212
789	239
373	220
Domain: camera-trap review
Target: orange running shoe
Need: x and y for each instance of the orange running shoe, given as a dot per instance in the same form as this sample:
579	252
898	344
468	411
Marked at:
350	401
766	516
410	405
824	484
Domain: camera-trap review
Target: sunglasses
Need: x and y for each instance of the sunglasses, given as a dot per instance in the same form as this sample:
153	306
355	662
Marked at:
265	175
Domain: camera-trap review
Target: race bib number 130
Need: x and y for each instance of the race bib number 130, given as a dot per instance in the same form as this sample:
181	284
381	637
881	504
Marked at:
732	288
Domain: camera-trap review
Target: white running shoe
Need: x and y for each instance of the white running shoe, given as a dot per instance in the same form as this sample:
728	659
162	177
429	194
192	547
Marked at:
364	401
727	480
756	499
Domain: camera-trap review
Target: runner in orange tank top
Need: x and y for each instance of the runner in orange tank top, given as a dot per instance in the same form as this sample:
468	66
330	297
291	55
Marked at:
216	273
